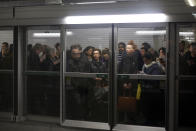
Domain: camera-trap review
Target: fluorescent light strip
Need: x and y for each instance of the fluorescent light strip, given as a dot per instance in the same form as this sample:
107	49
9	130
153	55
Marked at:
129	18
69	33
157	32
50	35
189	38
186	33
97	2
46	34
191	3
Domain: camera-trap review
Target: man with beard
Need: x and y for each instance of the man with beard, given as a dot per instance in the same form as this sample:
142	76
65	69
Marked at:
77	88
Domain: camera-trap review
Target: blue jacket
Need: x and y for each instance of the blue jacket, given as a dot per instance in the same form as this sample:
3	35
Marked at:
154	69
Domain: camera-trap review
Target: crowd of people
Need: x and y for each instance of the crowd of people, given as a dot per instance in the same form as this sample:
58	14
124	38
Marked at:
131	60
85	94
187	58
43	57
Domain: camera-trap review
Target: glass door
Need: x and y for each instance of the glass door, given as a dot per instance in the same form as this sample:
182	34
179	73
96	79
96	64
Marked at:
86	86
42	73
6	72
141	58
186	74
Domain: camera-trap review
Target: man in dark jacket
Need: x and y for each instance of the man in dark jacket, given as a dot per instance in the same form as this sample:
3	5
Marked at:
77	63
100	98
97	66
78	92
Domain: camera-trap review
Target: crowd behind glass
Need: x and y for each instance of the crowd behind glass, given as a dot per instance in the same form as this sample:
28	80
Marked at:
87	98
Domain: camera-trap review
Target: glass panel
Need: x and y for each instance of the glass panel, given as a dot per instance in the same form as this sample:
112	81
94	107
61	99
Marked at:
187	96
187	50
43	95
141	102
6	92
81	44
141	47
88	87
43	50
87	99
6	73
6	54
42	71
141	51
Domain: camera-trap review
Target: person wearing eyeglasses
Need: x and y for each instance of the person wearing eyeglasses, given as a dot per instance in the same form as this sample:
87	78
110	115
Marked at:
78	89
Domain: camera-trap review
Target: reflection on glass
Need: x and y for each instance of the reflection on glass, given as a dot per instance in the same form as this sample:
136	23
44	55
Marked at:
141	102
87	99
43	95
43	50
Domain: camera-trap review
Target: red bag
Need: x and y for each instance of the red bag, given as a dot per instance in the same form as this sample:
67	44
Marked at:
126	104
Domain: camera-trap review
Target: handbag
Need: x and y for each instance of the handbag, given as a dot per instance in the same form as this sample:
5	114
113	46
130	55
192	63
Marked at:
126	103
129	103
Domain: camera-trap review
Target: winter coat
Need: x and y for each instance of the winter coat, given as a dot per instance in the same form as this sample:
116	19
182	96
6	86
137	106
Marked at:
153	69
98	67
129	64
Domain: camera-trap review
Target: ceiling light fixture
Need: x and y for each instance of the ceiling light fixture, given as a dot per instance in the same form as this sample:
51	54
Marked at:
191	2
186	33
46	34
148	32
96	2
128	18
50	35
